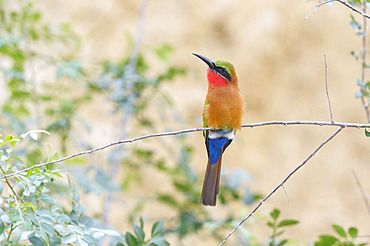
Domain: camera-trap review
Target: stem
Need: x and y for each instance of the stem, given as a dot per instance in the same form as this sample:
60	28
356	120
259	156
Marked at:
363	63
274	233
10	232
7	181
327	91
364	51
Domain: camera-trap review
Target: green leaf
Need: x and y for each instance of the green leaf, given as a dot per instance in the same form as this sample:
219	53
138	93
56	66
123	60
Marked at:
87	221
168	199
354	24
87	239
49	230
139	233
275	213
159	241
18	159
270	224
12	140
70	238
44	216
287	223
341	232
326	240
367	134
131	240
37	241
157	228
8	138
283	242
163	52
2	227
352	231
63	219
46	199
141	222
32	217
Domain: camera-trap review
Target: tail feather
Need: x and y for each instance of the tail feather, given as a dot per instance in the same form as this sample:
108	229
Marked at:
211	183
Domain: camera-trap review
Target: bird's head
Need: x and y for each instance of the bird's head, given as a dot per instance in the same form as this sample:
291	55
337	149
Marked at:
220	73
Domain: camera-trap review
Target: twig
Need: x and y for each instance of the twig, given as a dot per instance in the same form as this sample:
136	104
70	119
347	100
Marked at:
139	34
281	184
364	163
362	192
299	122
9	185
327	92
353	8
317	8
363	64
342	2
285	123
286	193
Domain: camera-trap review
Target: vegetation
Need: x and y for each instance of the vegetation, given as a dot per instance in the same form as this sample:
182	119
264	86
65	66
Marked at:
46	89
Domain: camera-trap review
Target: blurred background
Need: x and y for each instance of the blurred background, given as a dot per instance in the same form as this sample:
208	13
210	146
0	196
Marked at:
122	69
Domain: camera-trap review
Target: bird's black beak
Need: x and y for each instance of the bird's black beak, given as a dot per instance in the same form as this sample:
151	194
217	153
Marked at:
210	63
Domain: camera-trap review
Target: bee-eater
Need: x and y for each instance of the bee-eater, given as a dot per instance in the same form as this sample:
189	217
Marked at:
222	112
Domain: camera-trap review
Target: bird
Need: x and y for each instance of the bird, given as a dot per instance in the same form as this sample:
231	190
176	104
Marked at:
222	112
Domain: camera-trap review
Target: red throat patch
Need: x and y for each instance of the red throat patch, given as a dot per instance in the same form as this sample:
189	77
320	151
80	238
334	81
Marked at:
215	79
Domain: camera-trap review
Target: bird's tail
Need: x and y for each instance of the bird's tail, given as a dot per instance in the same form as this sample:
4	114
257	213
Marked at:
211	183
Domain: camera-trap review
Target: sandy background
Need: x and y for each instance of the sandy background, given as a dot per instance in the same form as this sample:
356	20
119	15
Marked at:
279	58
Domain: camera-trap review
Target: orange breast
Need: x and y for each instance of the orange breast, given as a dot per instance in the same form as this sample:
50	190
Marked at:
225	107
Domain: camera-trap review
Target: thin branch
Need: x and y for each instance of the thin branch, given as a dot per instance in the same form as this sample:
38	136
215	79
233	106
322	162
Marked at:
317	8
281	184
299	122
362	192
286	193
104	147
363	65
326	89
267	123
139	34
340	1
353	8
9	185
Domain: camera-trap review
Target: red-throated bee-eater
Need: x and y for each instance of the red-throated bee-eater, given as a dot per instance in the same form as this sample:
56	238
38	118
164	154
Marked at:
222	112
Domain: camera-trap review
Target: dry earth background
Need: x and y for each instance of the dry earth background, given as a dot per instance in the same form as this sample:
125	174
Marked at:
280	65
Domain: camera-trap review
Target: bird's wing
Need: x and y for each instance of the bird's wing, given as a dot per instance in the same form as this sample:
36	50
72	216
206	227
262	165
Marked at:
205	123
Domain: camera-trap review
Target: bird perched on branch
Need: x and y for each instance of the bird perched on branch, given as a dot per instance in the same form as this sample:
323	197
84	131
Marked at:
222	112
